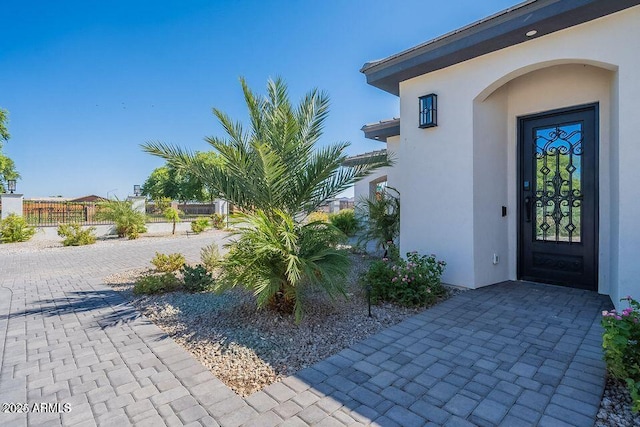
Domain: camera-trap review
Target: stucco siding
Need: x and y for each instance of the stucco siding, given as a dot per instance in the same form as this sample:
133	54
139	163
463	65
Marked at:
455	177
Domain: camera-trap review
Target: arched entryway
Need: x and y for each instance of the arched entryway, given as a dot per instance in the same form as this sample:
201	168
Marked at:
506	174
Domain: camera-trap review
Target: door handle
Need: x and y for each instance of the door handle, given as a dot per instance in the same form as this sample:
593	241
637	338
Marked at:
527	207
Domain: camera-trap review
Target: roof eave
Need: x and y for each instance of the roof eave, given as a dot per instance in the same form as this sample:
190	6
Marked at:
383	130
502	30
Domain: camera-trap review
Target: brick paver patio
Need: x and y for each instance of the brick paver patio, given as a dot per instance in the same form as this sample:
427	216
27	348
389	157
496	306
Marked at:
509	354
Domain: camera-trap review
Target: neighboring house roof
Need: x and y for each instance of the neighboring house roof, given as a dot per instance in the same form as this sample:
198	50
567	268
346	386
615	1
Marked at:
48	199
90	198
495	32
382	130
361	159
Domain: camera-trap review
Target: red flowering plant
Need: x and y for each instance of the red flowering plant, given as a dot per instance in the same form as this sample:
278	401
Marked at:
621	343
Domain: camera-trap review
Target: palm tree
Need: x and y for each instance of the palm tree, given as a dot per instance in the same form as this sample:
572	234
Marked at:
276	174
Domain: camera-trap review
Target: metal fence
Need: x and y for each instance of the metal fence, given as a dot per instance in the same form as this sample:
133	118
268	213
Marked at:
189	211
44	213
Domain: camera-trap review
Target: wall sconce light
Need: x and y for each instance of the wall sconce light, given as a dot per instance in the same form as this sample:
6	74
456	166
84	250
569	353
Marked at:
11	185
428	117
136	190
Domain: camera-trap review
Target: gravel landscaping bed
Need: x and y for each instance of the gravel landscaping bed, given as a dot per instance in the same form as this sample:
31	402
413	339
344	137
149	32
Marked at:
615	407
249	349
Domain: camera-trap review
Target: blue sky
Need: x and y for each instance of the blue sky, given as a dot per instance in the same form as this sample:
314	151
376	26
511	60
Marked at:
86	82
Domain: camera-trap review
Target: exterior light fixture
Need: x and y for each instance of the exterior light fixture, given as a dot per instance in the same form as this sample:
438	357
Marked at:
11	185
428	111
136	190
531	33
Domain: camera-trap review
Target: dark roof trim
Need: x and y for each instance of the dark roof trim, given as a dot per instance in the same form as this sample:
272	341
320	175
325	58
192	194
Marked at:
363	159
504	29
382	130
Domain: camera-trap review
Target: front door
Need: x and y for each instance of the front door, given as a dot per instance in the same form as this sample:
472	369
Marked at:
558	197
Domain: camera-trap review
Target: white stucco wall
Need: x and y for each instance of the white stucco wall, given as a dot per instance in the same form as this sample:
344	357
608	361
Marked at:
11	204
454	178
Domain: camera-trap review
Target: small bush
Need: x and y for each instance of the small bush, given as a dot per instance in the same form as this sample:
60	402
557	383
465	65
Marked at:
197	278
168	263
411	282
217	221
346	221
199	224
381	219
128	222
75	235
210	256
14	228
156	284
318	216
621	343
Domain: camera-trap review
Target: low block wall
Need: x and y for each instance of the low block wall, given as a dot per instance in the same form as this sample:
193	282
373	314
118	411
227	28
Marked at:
51	233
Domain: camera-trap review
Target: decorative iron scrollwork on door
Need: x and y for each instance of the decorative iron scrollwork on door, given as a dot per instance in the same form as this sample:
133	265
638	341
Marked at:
558	185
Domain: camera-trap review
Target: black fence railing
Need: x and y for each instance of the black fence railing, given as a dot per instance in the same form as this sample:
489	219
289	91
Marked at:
52	213
188	211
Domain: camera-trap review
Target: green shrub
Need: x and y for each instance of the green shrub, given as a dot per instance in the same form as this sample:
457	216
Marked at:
381	219
128	222
217	221
411	282
318	216
346	221
14	228
75	235
199	224
156	284
621	343
277	258
210	256
168	263
197	278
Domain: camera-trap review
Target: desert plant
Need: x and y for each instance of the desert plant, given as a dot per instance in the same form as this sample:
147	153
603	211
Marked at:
210	257
14	228
275	173
196	278
75	235
621	343
168	263
172	214
318	216
411	282
156	283
277	258
198	225
346	221
217	221
128	222
381	219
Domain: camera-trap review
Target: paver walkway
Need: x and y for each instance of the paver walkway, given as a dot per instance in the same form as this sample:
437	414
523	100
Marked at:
509	354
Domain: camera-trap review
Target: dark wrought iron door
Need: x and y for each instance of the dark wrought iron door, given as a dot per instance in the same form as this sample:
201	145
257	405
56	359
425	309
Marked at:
558	198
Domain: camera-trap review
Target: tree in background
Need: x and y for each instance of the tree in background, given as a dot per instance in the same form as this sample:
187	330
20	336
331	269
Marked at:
277	175
7	167
175	184
168	182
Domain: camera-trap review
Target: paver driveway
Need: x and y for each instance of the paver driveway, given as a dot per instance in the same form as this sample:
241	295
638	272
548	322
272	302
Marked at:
509	354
